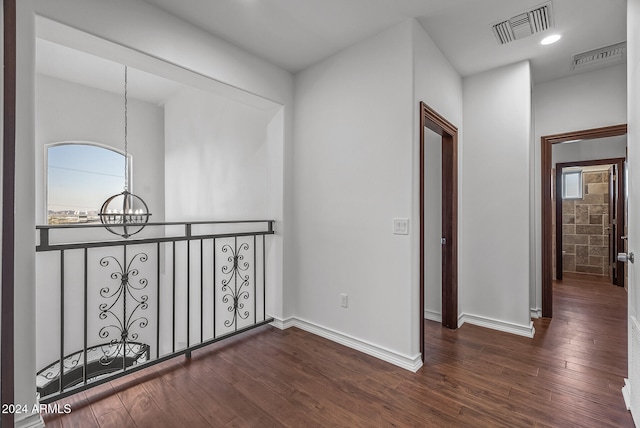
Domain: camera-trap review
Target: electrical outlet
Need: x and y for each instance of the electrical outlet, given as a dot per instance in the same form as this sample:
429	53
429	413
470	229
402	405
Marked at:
344	300
400	226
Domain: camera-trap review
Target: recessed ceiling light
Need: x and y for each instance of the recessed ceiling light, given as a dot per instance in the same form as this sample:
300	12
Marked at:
550	39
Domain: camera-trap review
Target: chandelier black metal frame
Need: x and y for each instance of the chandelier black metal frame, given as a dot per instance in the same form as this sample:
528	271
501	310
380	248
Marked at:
125	214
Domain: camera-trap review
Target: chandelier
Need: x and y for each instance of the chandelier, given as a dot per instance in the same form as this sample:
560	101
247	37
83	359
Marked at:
125	214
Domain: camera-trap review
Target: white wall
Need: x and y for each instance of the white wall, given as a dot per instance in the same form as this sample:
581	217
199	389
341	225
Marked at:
599	148
438	85
633	66
89	114
215	158
494	230
436	82
356	164
352	176
140	28
584	101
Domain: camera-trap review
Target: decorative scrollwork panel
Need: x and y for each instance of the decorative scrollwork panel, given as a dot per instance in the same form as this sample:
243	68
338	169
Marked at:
124	306
236	284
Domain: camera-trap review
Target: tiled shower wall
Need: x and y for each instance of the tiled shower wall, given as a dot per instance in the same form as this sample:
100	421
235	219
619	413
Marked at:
584	237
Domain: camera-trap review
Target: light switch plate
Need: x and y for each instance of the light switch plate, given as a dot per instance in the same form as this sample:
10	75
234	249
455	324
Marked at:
400	226
344	300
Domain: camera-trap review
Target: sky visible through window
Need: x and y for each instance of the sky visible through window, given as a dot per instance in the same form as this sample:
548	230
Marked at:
572	185
80	178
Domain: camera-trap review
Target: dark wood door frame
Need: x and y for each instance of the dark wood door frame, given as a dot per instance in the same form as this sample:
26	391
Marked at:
619	231
547	143
449	133
8	214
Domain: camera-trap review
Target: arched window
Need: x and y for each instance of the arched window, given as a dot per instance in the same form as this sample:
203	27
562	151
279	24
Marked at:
80	177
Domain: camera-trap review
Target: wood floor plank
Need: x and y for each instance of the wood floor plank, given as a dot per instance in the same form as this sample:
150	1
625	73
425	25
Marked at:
215	412
103	400
163	393
81	409
245	410
555	413
52	421
118	418
589	408
182	413
142	409
471	417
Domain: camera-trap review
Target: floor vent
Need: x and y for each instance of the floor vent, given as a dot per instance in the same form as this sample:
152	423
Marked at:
524	24
607	54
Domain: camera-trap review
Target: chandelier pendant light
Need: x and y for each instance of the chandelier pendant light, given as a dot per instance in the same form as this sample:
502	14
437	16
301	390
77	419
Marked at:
125	214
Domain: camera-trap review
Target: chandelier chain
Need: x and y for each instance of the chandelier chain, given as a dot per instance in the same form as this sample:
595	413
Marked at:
125	214
126	148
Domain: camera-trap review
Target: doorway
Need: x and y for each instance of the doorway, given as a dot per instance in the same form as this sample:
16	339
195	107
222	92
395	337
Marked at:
547	180
432	121
590	219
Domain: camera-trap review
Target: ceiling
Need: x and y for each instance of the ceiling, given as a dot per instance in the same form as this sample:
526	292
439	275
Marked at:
294	34
463	34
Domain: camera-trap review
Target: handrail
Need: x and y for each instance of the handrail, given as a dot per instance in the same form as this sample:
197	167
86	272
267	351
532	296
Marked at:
168	223
45	245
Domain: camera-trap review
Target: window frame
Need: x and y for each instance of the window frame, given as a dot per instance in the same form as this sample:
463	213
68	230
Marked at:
80	143
580	184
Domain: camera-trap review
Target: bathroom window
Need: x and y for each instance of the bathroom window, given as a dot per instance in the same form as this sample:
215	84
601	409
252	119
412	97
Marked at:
80	177
572	185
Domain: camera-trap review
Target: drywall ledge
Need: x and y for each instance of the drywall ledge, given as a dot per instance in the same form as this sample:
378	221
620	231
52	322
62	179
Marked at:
412	364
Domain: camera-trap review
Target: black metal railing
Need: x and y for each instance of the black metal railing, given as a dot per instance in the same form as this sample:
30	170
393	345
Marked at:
107	307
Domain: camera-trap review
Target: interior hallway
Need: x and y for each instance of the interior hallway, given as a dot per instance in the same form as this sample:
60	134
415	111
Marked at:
569	375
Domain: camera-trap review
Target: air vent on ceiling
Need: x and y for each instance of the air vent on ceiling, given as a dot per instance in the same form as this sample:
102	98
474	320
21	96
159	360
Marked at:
524	24
606	55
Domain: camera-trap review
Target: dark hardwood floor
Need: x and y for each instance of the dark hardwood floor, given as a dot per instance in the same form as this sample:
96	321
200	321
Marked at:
569	375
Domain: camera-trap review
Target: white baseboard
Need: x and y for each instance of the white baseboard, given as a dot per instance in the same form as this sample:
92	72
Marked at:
484	322
29	420
536	313
33	420
437	317
432	315
282	324
460	320
626	394
520	330
408	363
